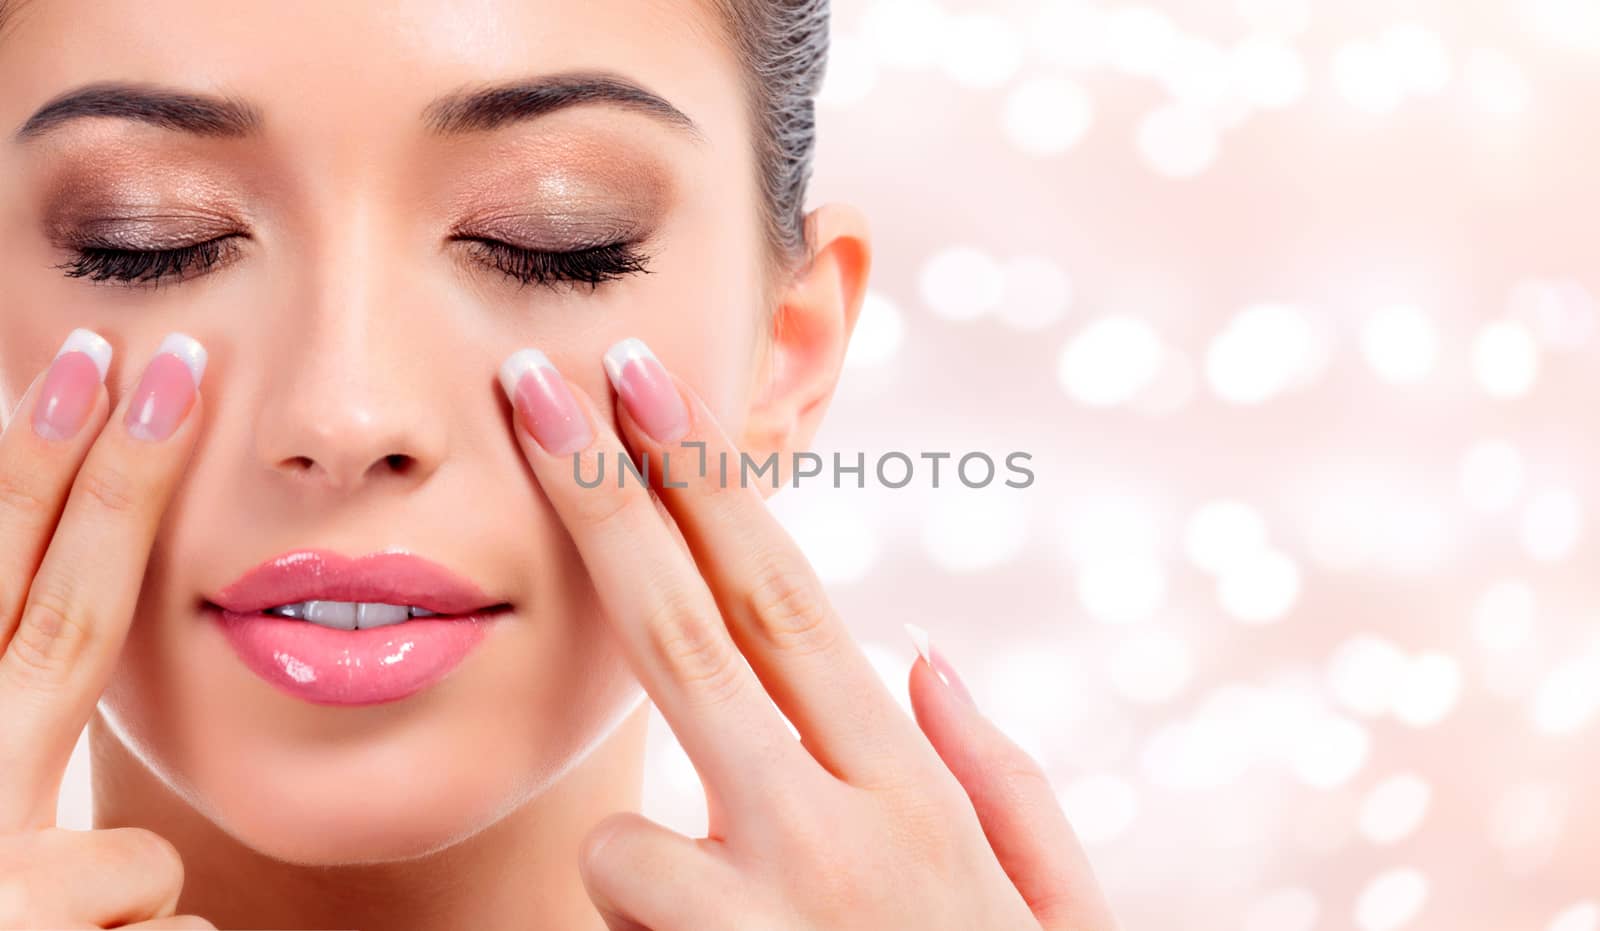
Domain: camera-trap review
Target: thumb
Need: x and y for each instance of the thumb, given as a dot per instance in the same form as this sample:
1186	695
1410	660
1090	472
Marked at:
1013	797
643	876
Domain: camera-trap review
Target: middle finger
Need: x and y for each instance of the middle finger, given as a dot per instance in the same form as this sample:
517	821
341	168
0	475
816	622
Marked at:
776	606
649	588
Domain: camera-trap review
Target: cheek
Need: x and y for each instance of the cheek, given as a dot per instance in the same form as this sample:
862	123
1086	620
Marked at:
313	784
706	313
333	785
32	321
31	338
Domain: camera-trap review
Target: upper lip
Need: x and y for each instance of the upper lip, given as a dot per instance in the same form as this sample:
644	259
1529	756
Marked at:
323	575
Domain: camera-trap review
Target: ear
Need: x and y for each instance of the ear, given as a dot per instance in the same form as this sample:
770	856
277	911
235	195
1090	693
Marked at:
816	313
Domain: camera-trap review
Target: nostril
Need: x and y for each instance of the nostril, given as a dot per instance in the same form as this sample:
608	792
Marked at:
341	473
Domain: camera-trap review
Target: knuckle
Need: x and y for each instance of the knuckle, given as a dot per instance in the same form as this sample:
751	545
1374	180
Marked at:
1019	777
13	856
603	505
840	883
602	850
26	866
50	636
697	651
835	886
791	611
910	780
16	894
148	854
110	487
929	816
811	833
721	488
923	822
1020	768
19	496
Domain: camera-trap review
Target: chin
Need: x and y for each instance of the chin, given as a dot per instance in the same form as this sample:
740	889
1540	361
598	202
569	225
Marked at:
319	784
360	810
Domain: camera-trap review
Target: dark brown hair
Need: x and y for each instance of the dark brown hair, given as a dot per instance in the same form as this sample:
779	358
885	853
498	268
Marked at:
783	48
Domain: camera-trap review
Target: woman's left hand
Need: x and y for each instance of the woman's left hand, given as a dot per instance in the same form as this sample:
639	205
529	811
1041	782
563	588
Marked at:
866	821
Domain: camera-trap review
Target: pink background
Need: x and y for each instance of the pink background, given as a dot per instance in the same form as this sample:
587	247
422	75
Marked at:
1292	304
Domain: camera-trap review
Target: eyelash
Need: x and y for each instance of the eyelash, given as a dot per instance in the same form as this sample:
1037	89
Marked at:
137	266
592	265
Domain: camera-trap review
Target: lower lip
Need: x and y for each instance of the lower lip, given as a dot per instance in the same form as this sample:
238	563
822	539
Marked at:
351	667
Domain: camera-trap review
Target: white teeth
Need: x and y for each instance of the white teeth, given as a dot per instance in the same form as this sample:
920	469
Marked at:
380	615
349	615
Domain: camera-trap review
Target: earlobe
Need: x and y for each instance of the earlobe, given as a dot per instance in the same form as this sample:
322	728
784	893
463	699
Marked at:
815	315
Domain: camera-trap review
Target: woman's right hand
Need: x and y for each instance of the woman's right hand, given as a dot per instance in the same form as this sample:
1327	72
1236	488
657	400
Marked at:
82	490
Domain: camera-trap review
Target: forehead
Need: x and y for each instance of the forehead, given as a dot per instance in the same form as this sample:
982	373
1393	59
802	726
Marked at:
359	65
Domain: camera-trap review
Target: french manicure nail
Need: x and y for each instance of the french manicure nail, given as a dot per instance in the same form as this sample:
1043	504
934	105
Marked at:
544	403
937	662
166	391
71	385
644	386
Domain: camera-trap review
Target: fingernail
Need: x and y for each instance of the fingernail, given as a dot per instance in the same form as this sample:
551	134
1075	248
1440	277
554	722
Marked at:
71	386
166	390
643	385
937	662
544	402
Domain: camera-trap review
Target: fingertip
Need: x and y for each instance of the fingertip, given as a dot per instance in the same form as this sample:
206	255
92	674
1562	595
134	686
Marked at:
189	351
624	351
91	344
592	850
939	664
165	398
518	364
937	711
920	640
546	405
644	386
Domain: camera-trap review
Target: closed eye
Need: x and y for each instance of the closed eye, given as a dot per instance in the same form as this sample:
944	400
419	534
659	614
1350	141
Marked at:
590	265
107	262
593	265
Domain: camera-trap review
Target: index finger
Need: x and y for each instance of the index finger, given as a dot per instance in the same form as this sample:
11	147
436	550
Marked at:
40	451
652	593
80	602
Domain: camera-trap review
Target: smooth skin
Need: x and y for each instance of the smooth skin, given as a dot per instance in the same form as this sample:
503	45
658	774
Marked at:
77	519
352	331
866	822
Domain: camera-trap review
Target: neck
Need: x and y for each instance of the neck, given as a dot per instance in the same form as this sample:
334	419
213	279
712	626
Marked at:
520	872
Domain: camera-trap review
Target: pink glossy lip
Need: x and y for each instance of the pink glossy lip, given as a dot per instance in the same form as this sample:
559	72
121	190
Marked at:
352	667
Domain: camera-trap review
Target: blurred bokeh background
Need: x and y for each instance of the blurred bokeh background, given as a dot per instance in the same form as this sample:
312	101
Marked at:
1292	304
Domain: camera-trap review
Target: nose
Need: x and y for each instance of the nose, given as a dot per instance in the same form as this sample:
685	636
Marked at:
348	406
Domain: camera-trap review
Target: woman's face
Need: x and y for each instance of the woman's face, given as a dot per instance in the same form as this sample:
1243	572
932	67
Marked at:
381	238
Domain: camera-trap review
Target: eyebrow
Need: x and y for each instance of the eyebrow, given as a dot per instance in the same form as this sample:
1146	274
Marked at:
195	114
465	111
497	105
